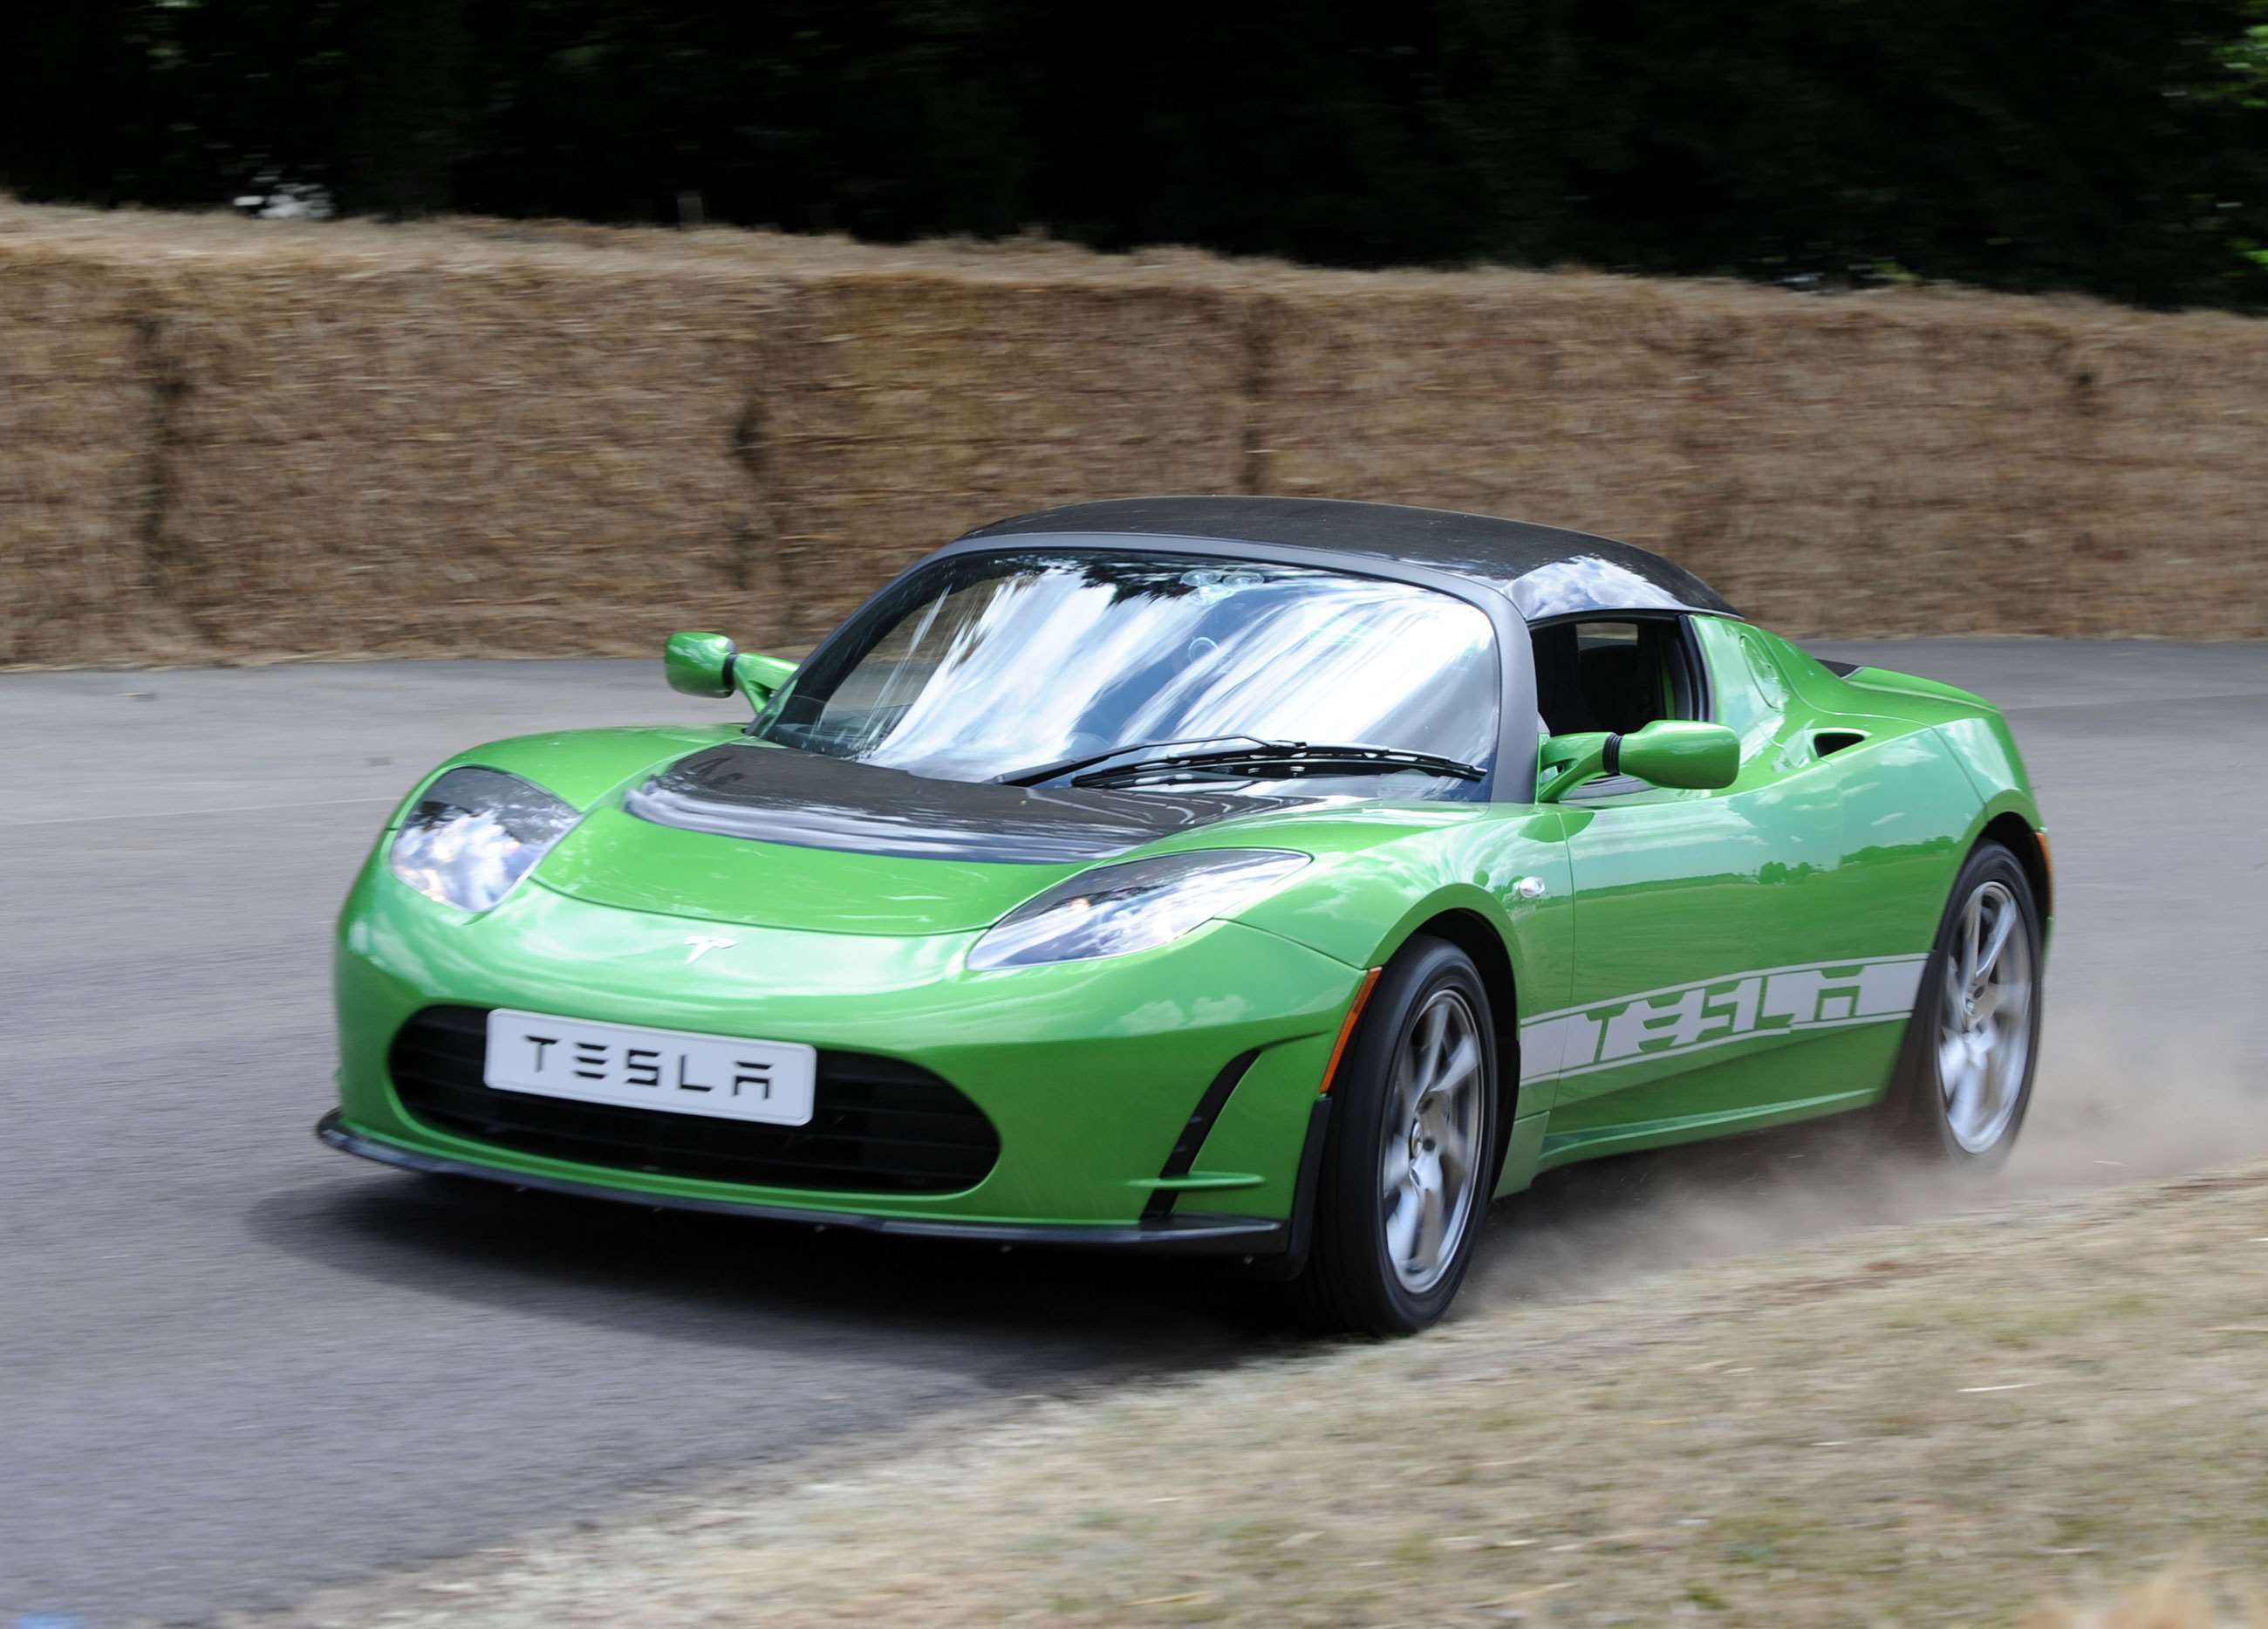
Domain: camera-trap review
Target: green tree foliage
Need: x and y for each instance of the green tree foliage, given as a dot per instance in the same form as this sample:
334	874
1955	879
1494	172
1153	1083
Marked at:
2105	145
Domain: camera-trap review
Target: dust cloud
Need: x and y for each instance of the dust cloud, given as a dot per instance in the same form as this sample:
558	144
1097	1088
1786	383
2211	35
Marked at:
2105	1110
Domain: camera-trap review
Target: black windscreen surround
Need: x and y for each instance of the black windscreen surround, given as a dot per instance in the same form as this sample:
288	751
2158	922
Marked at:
776	795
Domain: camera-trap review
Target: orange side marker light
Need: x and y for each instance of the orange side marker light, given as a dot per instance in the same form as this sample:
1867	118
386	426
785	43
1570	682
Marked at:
1354	1011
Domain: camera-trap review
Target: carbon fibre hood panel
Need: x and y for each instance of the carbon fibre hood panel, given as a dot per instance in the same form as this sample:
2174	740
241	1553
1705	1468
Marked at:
773	795
770	838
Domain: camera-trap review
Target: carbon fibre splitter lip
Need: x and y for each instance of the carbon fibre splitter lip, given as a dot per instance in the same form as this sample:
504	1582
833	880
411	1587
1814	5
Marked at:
1194	1235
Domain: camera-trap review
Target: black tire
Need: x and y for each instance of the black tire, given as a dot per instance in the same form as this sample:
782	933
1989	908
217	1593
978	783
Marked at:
1918	1107
1350	1282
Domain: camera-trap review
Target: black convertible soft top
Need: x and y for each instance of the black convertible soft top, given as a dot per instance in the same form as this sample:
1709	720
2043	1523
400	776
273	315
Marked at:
1545	571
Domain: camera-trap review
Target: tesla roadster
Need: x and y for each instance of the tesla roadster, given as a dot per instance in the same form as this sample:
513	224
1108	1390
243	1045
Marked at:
1274	878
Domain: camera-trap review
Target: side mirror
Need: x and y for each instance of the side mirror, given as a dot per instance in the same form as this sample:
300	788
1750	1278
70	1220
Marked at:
699	664
1668	752
710	664
1678	752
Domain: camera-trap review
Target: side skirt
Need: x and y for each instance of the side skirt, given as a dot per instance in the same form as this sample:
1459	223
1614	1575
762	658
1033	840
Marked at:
1523	1151
1568	1147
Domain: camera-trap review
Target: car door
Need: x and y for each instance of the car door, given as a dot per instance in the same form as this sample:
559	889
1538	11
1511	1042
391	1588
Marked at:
1699	955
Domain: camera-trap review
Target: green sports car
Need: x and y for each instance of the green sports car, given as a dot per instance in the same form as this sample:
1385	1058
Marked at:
1274	878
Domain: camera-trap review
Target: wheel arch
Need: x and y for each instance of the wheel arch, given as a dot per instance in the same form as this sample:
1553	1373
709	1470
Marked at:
1479	939
2018	836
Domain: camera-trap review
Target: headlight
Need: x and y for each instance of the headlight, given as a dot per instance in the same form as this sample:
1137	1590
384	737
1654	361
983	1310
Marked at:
474	834
1113	909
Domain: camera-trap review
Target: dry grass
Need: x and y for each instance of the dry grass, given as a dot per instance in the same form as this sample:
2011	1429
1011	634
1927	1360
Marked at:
233	440
1952	1423
2175	1599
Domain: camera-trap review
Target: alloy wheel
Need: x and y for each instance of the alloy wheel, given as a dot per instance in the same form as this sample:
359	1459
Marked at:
1430	1159
1984	1028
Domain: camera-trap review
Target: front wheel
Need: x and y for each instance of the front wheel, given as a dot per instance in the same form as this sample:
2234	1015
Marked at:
1966	1076
1410	1156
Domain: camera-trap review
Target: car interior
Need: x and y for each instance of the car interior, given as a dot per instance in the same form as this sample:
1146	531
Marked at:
1615	675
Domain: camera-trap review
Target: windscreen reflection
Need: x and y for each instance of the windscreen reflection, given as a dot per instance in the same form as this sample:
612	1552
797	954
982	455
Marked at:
986	664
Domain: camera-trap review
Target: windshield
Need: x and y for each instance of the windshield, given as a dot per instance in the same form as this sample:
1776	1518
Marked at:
987	664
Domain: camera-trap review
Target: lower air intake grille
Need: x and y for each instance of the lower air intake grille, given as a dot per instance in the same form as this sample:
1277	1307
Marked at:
877	1126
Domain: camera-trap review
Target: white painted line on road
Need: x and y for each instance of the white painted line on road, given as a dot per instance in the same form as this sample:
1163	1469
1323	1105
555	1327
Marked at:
241	808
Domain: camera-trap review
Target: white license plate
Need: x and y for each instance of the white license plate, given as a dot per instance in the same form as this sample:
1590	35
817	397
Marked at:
667	1069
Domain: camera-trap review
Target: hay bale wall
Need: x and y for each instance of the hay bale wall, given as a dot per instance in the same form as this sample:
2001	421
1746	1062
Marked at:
904	410
223	441
451	459
1893	465
1547	399
77	467
2178	459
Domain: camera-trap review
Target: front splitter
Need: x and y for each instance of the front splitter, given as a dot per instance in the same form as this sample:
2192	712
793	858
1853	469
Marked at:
1195	1234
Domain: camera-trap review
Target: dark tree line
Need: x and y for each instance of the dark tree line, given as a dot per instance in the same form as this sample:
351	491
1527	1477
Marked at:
2115	146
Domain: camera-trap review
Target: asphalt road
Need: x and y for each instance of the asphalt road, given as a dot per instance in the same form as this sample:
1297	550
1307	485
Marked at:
234	1365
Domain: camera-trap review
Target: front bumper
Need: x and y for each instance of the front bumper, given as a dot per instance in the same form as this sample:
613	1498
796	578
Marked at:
1175	1234
1091	1073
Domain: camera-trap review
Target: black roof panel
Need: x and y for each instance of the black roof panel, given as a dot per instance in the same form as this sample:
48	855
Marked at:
1545	571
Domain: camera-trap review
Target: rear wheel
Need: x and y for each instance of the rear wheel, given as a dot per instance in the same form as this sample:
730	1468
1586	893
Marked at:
1408	1163
1966	1073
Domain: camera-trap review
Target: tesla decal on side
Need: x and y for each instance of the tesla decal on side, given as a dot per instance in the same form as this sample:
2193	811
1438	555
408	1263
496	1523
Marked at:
1718	1012
702	943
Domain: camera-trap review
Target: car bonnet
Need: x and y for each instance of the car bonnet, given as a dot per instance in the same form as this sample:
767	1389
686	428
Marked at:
744	832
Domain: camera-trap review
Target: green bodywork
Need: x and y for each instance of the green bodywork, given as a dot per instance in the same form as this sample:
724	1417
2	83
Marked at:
1667	962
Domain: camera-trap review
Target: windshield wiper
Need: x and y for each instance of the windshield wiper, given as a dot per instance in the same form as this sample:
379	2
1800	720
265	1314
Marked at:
1346	759
1047	771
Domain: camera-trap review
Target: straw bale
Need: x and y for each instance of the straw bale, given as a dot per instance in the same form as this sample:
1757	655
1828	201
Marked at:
438	459
906	409
222	439
2181	455
77	445
1555	400
1873	467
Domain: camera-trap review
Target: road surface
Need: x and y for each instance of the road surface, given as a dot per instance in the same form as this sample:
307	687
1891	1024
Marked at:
237	1365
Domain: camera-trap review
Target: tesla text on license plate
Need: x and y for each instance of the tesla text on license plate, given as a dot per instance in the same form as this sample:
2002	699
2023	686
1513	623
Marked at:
666	1069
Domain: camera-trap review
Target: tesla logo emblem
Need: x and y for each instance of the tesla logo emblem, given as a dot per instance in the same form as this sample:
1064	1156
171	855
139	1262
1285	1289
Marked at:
702	943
